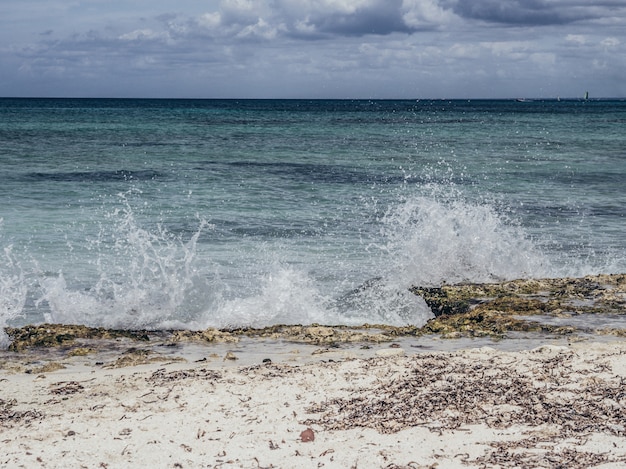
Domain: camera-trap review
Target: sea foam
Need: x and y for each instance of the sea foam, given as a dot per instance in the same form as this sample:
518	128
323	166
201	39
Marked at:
13	289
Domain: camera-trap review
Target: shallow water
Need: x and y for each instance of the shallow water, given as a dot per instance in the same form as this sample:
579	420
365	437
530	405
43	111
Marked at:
250	352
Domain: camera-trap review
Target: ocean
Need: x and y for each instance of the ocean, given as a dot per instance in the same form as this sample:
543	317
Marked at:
159	214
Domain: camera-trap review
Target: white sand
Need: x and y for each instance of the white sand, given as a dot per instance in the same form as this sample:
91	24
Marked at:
544	407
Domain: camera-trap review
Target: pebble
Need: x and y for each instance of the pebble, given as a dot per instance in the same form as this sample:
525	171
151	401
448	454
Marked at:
307	435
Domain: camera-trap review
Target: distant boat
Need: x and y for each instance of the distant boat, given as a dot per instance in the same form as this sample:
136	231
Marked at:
523	100
586	95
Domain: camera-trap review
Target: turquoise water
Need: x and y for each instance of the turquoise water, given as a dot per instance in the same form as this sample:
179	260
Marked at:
197	213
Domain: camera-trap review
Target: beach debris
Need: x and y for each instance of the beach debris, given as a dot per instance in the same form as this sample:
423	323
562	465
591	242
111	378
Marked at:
162	376
65	388
9	416
230	356
450	391
307	435
507	454
273	446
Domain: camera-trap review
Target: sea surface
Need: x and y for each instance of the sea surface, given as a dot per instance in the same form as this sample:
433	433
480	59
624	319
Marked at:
220	213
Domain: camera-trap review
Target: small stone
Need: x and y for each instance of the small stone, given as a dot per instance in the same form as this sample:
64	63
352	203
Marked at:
230	356
307	435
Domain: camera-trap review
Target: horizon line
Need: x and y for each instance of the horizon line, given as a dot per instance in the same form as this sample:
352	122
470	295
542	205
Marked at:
529	99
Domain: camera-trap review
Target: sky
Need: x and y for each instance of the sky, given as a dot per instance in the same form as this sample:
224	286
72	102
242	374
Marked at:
371	49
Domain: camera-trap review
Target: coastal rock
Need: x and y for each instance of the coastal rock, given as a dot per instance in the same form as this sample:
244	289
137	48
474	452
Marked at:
55	335
206	335
320	331
494	309
320	335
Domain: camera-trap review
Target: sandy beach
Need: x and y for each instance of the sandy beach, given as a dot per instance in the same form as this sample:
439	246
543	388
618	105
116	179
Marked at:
286	405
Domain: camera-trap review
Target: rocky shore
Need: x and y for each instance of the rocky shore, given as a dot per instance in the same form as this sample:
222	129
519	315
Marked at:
330	396
465	310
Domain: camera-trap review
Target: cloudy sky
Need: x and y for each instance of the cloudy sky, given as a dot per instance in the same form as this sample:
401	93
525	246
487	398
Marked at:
313	48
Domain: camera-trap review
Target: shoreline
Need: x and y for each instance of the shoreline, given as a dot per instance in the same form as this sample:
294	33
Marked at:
514	375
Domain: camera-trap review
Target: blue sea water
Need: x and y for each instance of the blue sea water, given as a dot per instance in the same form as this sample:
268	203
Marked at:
199	213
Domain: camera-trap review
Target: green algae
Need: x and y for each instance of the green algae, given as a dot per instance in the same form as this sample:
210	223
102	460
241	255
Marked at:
57	335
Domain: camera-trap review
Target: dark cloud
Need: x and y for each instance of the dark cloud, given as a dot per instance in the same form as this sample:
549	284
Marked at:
526	12
378	19
316	20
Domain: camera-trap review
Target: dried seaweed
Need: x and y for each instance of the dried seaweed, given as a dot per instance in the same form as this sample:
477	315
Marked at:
162	376
8	415
568	458
65	388
441	392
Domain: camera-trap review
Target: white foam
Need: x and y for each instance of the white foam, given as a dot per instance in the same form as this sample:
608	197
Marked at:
285	296
143	278
435	240
13	290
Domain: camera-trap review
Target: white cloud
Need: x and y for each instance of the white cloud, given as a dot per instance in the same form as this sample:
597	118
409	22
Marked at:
261	30
511	49
465	51
143	34
210	20
610	42
576	38
420	13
